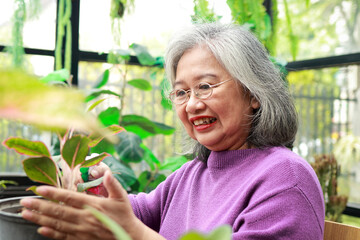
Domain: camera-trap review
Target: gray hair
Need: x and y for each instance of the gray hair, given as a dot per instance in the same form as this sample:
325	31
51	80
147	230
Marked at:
245	58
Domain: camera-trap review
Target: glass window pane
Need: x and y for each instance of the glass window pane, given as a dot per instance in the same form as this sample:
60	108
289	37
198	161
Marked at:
40	30
324	28
148	24
39	26
6	12
326	103
35	64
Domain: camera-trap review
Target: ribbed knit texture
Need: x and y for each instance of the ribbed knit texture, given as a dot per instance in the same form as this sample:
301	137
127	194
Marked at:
262	194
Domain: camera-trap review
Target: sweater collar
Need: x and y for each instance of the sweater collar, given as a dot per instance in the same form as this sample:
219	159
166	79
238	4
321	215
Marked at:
228	159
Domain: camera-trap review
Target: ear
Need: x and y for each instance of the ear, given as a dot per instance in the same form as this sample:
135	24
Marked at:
254	102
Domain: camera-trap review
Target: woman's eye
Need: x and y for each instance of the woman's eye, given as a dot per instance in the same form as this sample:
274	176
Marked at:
180	93
204	86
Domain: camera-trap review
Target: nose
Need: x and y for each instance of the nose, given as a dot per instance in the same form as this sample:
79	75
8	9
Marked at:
194	104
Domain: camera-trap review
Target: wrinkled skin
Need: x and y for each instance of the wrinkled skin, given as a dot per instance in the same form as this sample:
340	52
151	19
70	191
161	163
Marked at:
69	220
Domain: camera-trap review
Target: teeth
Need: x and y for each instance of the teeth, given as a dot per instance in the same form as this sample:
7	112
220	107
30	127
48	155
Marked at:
204	121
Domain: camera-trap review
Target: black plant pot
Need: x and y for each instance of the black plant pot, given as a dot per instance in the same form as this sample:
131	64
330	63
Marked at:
12	225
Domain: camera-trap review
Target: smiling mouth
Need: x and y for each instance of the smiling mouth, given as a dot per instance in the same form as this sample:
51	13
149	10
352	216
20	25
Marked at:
203	121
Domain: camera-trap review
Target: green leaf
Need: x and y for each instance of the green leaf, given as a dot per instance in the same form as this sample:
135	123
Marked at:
165	89
265	34
4	182
173	163
112	129
24	98
140	84
160	62
121	172
110	116
27	147
118	56
144	127
95	160
129	148
92	106
143	55
61	75
103	146
103	80
75	150
149	181
149	157
41	169
220	233
193	236
97	92
116	229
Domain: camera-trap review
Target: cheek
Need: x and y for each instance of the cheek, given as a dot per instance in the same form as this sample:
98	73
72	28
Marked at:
181	113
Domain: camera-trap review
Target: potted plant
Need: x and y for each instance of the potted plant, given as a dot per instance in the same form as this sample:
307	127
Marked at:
25	98
327	171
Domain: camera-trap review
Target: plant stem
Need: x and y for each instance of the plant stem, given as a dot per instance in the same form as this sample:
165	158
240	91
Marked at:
124	80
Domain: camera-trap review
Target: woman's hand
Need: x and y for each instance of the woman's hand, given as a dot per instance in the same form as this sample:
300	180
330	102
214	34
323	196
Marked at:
69	220
98	170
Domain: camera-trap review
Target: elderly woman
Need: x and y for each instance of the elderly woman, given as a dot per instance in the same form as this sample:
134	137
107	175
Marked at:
233	102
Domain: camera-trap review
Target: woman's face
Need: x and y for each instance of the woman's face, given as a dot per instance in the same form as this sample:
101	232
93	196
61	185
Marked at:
220	122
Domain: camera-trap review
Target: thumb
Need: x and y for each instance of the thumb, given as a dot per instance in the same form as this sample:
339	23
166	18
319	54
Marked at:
113	187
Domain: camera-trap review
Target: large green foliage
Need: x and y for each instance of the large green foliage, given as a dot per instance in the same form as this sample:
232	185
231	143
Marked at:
131	149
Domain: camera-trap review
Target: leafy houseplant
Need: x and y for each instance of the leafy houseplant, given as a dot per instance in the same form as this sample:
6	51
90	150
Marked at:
4	182
327	171
131	151
24	98
59	171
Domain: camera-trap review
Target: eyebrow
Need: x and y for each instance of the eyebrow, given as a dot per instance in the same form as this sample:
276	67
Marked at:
197	78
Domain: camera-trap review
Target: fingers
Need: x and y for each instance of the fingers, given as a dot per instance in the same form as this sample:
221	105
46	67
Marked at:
50	209
113	187
59	221
71	198
54	223
52	233
98	170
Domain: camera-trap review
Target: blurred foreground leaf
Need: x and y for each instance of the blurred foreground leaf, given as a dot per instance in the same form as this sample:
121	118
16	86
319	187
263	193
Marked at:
116	229
24	98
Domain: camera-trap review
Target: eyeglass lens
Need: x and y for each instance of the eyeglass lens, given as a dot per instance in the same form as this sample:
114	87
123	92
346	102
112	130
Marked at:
203	90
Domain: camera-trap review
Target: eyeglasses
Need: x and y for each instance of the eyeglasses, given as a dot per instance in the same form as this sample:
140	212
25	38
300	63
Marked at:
201	91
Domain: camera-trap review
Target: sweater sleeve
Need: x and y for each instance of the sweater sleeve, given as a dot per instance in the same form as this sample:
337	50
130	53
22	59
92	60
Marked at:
150	207
287	215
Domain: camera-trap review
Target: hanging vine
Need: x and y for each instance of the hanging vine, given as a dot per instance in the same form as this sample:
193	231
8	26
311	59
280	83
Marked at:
202	12
22	13
17	50
64	24
117	11
252	14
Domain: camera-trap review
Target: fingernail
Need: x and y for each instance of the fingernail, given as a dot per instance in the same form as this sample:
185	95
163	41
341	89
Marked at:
95	173
26	202
42	190
26	214
42	230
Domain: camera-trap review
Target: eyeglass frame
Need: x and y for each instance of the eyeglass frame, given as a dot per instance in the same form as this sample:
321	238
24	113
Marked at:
188	92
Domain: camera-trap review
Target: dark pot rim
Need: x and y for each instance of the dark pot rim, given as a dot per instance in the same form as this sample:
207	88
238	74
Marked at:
12	202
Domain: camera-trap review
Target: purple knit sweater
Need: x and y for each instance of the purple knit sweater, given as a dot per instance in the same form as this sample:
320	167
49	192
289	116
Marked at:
262	194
